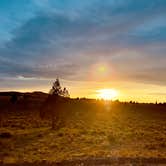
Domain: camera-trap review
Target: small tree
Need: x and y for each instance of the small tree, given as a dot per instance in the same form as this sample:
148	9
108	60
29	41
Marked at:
65	93
54	104
57	89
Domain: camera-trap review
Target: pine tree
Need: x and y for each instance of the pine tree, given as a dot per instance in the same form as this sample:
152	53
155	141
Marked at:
57	89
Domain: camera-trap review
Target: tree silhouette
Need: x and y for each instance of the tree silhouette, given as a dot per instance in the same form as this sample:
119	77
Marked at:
65	92
13	98
57	89
53	107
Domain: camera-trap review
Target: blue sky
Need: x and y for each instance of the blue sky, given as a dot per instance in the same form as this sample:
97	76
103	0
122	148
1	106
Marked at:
71	39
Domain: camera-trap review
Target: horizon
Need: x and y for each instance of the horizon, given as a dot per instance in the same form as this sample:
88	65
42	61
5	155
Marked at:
92	98
111	49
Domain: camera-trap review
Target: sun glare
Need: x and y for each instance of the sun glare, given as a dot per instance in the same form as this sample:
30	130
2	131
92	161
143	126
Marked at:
107	94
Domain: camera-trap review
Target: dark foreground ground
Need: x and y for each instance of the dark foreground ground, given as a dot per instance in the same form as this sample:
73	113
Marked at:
93	133
98	161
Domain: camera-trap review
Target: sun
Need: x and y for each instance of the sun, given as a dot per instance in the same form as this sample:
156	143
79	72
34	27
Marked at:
107	94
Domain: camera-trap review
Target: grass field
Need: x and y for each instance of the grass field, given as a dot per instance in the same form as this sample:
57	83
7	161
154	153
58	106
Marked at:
91	129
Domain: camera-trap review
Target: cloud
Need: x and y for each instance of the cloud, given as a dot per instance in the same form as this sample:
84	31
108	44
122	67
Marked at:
12	69
158	94
66	39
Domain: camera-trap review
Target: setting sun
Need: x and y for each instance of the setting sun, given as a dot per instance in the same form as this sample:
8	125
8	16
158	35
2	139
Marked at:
107	94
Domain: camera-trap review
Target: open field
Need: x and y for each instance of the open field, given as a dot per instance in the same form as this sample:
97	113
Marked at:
92	132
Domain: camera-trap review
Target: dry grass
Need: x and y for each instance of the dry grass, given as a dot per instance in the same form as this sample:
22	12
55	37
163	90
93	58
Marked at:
103	130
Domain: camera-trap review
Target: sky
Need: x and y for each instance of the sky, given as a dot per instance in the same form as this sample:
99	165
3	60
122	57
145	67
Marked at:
88	44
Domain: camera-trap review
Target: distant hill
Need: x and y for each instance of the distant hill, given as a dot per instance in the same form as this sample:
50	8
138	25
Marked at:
10	93
31	97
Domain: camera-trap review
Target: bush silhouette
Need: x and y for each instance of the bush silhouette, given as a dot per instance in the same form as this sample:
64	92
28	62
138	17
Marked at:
13	98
